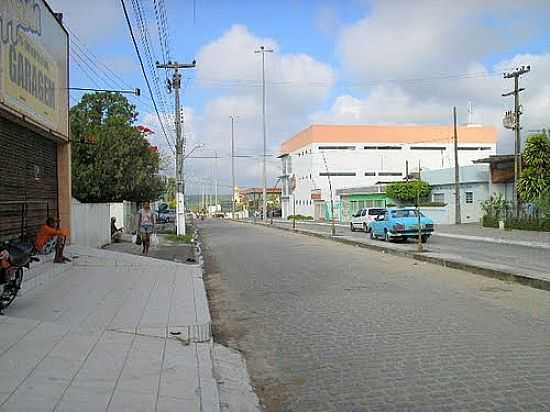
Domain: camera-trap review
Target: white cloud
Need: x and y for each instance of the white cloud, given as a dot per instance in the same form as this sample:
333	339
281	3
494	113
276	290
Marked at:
402	53
296	83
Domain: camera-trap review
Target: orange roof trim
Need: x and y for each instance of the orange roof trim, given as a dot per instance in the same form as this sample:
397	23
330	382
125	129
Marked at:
387	134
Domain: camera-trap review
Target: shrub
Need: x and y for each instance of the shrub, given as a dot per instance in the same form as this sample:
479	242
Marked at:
408	191
300	217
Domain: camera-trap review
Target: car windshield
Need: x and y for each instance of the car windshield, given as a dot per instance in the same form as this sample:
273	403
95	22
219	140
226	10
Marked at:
405	213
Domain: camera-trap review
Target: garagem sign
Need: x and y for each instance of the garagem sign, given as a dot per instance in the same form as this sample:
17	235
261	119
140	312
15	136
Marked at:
33	63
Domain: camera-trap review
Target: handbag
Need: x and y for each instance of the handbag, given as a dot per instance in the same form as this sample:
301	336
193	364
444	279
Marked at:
154	240
138	239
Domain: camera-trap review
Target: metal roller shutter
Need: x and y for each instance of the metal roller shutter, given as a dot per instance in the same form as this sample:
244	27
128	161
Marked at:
28	180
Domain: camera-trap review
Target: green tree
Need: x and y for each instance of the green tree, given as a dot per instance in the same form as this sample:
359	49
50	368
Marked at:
111	160
534	182
408	191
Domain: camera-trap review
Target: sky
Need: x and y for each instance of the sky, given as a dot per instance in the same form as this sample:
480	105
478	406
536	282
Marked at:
334	61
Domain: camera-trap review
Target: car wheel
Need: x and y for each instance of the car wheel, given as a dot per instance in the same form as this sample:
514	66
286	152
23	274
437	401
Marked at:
365	228
424	238
351	227
386	236
372	236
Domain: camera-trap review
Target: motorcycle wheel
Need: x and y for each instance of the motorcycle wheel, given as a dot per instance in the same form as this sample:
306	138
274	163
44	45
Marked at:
13	289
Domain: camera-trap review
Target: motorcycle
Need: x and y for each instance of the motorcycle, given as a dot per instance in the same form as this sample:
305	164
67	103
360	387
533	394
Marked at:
14	256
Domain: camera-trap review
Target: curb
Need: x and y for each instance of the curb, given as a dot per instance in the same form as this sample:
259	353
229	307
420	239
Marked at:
478	269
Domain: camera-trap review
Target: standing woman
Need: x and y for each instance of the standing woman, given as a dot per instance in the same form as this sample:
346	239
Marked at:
146	224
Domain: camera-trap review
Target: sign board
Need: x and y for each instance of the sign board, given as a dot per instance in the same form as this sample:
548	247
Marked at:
33	63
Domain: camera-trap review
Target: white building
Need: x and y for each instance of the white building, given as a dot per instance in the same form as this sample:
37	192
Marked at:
349	156
474	189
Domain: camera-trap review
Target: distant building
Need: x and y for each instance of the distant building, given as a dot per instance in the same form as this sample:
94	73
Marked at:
360	156
250	199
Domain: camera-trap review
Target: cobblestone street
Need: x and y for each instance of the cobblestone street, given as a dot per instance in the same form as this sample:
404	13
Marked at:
331	327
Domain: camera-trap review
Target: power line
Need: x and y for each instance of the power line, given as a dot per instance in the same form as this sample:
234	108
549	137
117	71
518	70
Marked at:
170	145
148	51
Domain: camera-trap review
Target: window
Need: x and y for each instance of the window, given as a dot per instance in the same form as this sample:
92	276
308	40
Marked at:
469	197
428	148
390	174
376	212
370	173
336	147
337	174
438	197
382	147
474	148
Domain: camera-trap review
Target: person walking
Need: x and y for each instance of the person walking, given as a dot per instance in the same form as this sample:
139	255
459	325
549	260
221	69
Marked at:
146	225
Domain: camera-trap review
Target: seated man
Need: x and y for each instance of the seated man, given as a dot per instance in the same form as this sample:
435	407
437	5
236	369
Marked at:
116	234
51	237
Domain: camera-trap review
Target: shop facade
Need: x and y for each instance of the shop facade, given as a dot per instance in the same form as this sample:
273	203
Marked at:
35	179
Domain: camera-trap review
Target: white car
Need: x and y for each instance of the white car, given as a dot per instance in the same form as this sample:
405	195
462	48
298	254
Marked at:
361	219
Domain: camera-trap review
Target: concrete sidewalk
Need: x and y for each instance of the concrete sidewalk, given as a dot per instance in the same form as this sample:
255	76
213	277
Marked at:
108	332
474	231
470	231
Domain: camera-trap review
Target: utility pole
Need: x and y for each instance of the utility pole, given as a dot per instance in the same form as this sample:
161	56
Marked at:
232	167
175	84
407	170
458	217
419	247
263	51
515	124
216	181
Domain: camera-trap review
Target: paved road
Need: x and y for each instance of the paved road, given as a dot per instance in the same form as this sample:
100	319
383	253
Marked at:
521	258
329	327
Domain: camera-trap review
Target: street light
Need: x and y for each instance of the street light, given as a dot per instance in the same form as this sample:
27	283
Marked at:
263	51
233	165
196	147
135	92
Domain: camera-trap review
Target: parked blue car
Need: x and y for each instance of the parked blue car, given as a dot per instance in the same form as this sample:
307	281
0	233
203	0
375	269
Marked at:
401	224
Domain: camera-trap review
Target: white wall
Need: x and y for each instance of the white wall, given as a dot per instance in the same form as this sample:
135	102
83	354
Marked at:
308	163
117	210
90	224
439	215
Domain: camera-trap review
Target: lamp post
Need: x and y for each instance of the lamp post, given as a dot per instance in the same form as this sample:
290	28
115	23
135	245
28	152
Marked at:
263	51
233	165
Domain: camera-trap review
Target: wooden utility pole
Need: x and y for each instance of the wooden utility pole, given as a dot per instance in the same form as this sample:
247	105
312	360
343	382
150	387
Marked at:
515	124
458	218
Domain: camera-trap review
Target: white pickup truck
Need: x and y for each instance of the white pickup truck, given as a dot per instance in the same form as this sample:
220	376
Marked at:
361	219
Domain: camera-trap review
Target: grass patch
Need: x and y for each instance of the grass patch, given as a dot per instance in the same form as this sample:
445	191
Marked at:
180	238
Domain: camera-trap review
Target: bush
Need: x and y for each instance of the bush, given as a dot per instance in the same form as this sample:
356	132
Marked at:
533	224
489	221
408	191
300	217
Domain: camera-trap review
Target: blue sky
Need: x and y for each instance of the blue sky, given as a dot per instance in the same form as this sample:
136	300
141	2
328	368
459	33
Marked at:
392	61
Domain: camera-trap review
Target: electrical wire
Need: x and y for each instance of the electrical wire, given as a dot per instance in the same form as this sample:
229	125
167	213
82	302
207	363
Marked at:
145	74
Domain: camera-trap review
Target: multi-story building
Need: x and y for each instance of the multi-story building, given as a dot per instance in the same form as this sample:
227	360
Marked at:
322	159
